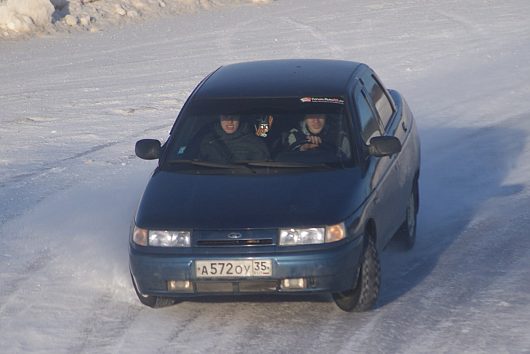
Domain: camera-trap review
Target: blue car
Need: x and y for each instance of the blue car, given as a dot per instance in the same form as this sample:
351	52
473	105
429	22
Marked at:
280	176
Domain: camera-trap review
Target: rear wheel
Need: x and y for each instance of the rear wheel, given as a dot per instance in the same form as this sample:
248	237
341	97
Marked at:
152	301
407	231
363	295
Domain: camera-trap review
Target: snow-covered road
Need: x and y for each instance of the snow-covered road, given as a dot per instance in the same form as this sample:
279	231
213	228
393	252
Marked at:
72	107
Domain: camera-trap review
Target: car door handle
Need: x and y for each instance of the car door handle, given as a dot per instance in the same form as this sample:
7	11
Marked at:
404	126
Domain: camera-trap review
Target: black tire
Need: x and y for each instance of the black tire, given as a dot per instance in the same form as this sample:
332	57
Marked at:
363	295
152	301
407	231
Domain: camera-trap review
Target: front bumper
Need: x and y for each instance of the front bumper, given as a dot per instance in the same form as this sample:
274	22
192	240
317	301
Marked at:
330	269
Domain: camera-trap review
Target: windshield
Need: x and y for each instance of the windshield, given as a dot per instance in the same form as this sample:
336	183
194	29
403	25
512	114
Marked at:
267	132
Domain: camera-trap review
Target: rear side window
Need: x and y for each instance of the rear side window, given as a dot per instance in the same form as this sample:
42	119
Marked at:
381	102
367	119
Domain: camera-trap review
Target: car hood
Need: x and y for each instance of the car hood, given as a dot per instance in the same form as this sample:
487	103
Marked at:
174	200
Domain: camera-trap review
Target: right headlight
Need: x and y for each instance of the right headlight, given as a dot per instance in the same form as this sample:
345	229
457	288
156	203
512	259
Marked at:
161	238
314	235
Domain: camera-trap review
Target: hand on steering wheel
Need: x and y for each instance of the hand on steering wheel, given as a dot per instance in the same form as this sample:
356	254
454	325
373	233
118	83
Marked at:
306	143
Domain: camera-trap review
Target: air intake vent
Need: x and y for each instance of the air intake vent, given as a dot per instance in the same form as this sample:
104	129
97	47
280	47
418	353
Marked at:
249	242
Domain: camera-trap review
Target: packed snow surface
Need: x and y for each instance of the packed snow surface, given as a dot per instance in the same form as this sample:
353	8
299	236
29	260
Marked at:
73	105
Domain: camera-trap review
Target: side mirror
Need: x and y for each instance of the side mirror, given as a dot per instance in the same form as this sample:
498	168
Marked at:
147	149
384	146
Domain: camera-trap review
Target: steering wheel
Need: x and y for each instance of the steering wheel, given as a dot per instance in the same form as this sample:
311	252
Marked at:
324	145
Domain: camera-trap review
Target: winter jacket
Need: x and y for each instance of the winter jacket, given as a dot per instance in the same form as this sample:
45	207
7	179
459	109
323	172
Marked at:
242	145
298	137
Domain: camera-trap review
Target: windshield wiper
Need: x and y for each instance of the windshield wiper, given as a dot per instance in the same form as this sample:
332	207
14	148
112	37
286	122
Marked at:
281	164
207	164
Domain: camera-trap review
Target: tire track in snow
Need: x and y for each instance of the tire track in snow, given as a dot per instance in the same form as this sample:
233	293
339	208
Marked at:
103	328
465	23
13	284
22	188
46	168
190	322
230	40
336	50
455	299
310	324
26	191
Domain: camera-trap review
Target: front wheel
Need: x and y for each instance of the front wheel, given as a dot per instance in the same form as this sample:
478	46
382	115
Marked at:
363	295
152	301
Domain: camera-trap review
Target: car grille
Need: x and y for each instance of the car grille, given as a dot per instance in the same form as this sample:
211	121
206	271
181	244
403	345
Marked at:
249	242
252	286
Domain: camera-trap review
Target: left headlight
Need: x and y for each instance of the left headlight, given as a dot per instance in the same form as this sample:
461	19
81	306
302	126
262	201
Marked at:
314	235
161	238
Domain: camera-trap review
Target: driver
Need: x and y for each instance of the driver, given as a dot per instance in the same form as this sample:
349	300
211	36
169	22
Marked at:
313	133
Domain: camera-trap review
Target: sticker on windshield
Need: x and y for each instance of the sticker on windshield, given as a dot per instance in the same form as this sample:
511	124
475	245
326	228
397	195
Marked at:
333	100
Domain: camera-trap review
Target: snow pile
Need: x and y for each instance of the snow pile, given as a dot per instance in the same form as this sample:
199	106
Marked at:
27	17
22	16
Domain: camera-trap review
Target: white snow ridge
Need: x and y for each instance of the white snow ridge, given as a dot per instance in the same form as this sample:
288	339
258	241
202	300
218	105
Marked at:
23	18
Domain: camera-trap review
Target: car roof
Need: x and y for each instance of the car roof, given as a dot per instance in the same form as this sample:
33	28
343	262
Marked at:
279	78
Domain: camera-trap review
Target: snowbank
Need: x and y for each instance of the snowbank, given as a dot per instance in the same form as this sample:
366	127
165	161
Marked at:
23	18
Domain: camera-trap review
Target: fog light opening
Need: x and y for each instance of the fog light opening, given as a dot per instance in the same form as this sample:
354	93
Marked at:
294	283
179	286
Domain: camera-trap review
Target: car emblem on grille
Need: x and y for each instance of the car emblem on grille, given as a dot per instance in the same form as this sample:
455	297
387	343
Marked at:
234	235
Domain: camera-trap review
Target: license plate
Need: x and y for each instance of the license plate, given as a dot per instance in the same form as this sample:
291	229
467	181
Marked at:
233	268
